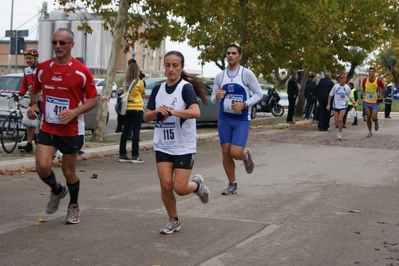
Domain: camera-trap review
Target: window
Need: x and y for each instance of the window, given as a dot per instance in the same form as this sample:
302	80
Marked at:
143	62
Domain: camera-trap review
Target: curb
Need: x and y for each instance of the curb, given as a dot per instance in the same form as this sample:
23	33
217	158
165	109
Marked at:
27	163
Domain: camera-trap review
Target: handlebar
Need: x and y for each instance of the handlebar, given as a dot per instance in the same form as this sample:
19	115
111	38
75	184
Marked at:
16	97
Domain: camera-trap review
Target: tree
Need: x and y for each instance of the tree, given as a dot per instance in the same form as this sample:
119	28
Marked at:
274	34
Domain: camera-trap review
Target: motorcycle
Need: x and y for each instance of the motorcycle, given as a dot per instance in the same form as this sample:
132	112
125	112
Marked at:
269	103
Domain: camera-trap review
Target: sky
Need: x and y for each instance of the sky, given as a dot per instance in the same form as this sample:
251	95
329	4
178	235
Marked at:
25	17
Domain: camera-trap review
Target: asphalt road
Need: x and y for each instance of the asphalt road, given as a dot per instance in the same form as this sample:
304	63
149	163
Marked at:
311	200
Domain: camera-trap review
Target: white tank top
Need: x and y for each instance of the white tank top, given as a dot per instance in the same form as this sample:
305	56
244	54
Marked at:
174	136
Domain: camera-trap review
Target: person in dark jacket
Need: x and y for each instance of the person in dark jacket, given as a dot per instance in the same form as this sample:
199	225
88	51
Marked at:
388	100
323	89
310	95
292	91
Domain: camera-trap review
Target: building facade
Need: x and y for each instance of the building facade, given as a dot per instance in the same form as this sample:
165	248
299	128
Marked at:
94	48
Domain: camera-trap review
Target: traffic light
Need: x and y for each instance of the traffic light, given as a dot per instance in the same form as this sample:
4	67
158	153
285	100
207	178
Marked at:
21	45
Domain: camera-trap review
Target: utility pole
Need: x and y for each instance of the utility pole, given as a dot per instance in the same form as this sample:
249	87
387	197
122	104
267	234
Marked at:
9	50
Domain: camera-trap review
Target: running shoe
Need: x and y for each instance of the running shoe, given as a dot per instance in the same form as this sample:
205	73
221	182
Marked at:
369	134
376	126
136	159
73	214
124	159
58	154
231	189
339	136
54	202
27	148
249	163
172	226
203	191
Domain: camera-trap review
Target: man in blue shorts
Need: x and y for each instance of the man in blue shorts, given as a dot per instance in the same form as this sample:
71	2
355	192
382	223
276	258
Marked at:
341	93
372	90
231	90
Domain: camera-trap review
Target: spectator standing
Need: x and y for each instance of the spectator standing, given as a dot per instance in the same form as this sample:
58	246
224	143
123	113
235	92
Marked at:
373	90
31	59
310	95
175	105
119	119
64	82
134	114
323	90
231	91
388	100
292	91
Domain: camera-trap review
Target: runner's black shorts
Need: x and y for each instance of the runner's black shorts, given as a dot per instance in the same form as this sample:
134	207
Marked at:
184	161
66	145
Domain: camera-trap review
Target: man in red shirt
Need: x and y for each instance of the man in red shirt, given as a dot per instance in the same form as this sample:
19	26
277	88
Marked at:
372	90
31	56
63	82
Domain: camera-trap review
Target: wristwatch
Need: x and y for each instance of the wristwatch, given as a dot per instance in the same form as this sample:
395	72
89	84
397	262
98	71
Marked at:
32	103
169	113
246	106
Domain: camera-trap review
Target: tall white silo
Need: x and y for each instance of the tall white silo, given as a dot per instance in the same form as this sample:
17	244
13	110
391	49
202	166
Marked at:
80	41
106	47
77	18
46	29
94	43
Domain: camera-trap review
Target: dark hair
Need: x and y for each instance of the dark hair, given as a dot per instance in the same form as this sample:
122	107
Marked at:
370	68
132	73
198	84
351	84
236	45
131	60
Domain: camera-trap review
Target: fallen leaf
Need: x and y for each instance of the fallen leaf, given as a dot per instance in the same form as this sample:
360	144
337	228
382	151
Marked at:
32	188
355	211
94	176
41	220
42	193
294	227
75	260
37	224
392	249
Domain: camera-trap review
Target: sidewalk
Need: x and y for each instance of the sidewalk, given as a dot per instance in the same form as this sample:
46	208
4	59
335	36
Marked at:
18	160
14	161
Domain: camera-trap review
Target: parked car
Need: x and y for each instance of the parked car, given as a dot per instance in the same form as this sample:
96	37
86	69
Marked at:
10	83
209	112
99	86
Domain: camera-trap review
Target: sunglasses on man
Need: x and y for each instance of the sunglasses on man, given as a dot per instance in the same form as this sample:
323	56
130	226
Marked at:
62	43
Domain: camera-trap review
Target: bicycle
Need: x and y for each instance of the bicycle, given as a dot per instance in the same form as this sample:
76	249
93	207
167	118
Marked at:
11	128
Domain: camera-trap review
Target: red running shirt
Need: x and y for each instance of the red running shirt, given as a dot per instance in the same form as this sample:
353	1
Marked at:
63	87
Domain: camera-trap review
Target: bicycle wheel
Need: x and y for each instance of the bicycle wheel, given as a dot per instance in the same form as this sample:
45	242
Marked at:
10	133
